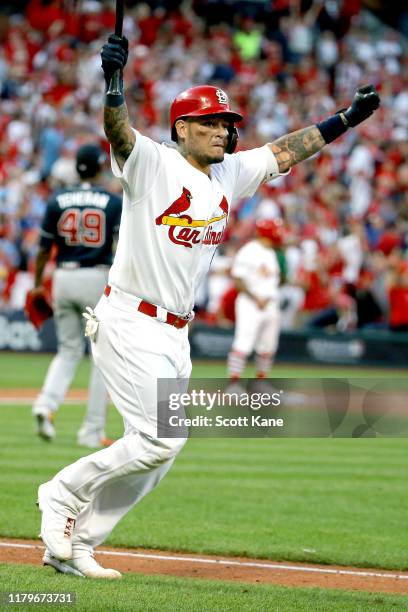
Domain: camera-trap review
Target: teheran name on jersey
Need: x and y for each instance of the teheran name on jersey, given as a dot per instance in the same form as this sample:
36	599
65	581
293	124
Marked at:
82	198
183	228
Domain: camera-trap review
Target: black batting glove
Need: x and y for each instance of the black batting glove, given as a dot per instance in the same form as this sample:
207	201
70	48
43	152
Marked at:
366	100
114	56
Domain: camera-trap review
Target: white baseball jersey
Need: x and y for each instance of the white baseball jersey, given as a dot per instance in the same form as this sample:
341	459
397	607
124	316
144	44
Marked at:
174	216
258	266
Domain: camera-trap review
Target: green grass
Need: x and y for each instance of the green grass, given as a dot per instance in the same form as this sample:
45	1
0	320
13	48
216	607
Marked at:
153	593
27	370
328	500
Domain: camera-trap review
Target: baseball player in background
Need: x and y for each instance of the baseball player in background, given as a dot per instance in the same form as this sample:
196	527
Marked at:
175	209
82	222
256	273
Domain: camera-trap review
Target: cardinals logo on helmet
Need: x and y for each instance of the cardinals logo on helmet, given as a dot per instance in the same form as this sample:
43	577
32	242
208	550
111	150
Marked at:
221	96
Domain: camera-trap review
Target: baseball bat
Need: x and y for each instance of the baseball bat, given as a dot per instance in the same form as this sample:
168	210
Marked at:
114	85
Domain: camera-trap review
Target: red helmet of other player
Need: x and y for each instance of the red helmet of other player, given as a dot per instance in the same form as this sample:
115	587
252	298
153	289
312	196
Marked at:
272	229
198	102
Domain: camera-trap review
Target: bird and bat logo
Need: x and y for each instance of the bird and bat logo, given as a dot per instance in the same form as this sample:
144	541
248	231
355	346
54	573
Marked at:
186	231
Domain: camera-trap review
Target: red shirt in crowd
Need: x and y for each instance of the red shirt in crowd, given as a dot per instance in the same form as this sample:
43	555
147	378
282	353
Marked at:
398	298
317	294
390	240
227	304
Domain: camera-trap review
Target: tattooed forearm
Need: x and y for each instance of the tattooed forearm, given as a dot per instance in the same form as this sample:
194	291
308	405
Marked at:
118	131
297	146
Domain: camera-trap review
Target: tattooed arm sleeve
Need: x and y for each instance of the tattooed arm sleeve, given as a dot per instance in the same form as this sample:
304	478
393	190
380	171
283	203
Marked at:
118	132
297	146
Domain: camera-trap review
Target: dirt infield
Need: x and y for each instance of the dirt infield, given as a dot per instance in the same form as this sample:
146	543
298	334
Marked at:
154	562
27	396
379	404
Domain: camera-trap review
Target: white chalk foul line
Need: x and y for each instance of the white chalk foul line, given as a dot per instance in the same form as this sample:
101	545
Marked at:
255	564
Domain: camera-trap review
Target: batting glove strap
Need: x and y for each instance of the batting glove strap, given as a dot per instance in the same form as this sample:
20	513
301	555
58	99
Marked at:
115	99
333	127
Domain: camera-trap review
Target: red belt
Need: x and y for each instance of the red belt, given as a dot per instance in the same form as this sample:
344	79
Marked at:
151	311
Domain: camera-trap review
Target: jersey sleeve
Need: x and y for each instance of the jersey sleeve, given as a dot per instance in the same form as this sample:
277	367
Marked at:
140	169
48	229
253	168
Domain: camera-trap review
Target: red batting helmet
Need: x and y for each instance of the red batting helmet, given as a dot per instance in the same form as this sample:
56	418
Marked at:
271	229
198	102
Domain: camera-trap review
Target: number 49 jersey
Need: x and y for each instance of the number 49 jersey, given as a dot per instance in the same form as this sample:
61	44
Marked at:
82	221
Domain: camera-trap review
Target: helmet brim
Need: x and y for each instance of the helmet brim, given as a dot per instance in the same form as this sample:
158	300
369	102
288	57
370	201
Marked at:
210	110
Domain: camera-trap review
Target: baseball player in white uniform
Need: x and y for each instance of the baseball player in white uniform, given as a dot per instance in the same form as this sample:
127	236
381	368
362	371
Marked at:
175	209
257	317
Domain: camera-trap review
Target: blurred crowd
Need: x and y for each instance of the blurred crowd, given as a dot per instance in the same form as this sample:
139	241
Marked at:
285	65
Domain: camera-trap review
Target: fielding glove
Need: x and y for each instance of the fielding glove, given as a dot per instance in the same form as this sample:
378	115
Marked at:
37	307
114	56
366	100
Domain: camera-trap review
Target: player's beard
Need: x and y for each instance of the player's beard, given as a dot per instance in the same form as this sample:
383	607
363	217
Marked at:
204	159
215	159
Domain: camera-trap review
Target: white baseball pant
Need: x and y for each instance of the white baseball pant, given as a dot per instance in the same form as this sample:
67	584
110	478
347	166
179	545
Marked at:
131	350
256	329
